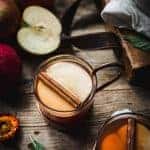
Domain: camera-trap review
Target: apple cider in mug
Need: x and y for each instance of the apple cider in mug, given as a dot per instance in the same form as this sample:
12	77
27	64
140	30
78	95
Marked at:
64	87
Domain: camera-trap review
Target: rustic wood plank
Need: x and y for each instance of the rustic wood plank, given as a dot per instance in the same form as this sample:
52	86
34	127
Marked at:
117	96
81	138
53	139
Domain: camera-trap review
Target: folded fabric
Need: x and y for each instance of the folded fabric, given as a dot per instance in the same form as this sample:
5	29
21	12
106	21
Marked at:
126	14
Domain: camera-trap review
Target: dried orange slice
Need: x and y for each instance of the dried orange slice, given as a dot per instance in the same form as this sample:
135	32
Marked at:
9	125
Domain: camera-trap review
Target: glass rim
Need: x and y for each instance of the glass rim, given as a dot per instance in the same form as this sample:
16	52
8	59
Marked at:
58	58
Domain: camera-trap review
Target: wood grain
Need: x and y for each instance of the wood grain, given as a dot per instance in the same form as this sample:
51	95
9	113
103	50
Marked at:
119	95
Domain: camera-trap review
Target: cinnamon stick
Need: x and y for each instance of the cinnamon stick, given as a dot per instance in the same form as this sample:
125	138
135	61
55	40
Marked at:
67	95
131	133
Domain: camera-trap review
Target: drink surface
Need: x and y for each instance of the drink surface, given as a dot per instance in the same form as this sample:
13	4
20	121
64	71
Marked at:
72	77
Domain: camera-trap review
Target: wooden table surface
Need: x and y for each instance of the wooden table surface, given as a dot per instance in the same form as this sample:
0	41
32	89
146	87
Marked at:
119	95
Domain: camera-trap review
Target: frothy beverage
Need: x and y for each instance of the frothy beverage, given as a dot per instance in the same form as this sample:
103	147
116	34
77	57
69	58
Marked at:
72	77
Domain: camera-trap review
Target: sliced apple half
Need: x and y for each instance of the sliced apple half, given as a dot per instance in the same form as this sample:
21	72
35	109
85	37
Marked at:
41	33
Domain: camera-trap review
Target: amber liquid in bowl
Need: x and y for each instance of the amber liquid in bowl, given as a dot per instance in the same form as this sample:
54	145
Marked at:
126	133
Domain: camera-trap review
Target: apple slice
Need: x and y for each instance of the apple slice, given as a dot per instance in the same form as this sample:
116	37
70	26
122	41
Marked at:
41	33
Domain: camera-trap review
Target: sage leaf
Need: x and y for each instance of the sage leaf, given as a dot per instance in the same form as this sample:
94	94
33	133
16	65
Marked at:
138	41
35	145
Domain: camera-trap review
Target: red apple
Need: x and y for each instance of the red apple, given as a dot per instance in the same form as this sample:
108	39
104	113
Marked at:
10	69
44	3
9	18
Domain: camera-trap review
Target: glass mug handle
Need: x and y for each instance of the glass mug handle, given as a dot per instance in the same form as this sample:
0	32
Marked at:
108	65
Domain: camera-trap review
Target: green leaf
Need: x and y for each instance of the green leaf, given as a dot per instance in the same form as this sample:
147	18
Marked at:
138	41
36	145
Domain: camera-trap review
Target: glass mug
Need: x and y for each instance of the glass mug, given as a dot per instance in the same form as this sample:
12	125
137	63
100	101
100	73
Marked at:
65	85
125	131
